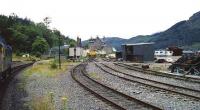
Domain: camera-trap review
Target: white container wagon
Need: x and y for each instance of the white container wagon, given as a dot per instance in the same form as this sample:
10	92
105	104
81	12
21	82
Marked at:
78	50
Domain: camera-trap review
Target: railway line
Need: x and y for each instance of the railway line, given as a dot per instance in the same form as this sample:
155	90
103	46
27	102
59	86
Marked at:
192	83
115	98
175	76
152	83
189	82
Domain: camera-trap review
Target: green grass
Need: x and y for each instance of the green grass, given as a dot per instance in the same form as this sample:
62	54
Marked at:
42	103
43	68
94	75
64	102
47	102
20	58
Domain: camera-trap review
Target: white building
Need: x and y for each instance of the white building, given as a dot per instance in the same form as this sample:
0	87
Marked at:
188	53
161	53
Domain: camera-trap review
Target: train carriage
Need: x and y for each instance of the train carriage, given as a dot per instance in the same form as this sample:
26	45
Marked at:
5	59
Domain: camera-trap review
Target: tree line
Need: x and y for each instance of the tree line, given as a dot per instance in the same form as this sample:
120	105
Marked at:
26	36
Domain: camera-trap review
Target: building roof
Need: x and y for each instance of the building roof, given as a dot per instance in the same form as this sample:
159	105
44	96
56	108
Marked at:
162	50
149	43
188	51
61	47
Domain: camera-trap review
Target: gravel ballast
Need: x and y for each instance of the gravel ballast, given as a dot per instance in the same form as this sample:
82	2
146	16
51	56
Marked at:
159	97
21	92
181	83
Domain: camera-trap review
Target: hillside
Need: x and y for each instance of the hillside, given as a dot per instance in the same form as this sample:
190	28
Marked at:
185	34
26	36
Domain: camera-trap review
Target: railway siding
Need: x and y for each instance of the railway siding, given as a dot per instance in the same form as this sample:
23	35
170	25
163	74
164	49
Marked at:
118	99
188	78
143	92
174	88
167	80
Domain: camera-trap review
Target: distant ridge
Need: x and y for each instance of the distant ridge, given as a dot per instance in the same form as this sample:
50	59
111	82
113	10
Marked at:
184	34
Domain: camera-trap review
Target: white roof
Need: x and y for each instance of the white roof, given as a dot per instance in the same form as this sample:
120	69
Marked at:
162	50
189	51
139	44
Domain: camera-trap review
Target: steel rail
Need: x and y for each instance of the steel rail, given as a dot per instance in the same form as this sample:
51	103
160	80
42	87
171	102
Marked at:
185	78
156	84
109	94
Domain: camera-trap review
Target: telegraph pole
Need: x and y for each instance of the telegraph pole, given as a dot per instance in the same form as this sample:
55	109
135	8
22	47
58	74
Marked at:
59	41
75	53
59	53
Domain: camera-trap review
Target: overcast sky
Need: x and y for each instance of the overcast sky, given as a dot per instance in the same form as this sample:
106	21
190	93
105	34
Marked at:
114	18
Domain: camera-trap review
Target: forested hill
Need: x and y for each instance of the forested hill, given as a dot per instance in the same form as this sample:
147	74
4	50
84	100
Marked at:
185	34
26	36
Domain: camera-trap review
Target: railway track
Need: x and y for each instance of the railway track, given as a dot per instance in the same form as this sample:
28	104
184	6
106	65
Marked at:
168	87
20	67
113	97
14	71
175	76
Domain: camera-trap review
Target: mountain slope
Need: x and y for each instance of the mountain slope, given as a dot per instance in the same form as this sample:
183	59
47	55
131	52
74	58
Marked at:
185	34
115	42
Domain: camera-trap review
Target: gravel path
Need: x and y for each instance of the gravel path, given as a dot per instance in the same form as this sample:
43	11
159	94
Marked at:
21	92
156	96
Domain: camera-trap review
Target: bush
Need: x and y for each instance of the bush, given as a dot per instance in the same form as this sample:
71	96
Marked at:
18	53
38	54
53	65
39	46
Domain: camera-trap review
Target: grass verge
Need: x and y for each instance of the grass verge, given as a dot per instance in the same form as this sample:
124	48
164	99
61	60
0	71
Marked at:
42	103
43	68
94	75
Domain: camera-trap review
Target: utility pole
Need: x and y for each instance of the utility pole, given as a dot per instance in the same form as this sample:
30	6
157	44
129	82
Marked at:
59	43
59	52
74	53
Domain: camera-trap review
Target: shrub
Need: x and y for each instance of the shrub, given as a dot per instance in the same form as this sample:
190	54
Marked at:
53	65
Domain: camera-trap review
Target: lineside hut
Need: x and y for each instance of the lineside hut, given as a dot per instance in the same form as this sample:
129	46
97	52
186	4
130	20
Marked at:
139	52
